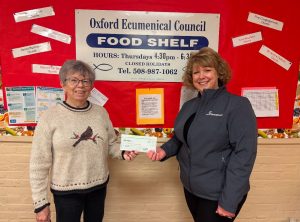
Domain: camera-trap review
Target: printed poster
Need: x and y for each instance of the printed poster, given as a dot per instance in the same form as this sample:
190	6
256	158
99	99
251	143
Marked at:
21	104
47	97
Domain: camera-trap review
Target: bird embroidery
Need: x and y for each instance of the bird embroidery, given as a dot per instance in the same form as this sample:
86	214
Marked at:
86	135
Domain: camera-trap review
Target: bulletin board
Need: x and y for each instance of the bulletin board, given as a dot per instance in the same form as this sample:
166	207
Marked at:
250	68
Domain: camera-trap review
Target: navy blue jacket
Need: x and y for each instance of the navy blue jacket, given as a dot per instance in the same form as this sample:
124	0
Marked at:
218	154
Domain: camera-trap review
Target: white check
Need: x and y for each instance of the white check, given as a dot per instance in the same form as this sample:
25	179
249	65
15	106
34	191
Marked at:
138	143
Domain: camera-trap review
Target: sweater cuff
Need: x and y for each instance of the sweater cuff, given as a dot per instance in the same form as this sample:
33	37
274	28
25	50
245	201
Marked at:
122	154
37	210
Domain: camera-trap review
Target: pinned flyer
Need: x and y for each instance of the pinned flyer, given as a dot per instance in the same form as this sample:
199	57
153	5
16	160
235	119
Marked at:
34	14
31	49
46	69
47	97
50	33
278	59
247	39
265	21
150	106
264	100
97	97
21	104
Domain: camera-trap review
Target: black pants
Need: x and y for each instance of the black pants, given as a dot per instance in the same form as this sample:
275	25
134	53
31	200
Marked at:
204	210
69	207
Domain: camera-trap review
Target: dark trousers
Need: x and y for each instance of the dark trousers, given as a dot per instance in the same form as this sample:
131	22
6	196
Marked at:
69	207
204	210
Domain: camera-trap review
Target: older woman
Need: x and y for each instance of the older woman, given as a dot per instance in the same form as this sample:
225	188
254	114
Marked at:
73	139
215	141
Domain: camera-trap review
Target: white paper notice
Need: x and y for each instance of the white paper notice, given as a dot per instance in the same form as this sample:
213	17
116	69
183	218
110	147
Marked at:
97	97
278	59
150	106
47	69
33	14
246	39
50	33
31	49
265	101
265	21
138	143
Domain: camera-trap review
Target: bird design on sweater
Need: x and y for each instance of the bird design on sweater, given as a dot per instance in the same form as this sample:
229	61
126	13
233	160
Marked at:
86	135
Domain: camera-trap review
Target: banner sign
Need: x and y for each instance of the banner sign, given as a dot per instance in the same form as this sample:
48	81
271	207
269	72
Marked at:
142	46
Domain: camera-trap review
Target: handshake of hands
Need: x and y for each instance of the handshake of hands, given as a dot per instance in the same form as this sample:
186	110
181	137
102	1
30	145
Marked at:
154	156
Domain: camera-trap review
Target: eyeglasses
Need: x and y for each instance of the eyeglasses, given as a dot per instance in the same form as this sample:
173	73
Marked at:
75	82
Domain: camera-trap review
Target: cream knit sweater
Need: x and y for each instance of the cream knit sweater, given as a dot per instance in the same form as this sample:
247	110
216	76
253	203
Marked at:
72	144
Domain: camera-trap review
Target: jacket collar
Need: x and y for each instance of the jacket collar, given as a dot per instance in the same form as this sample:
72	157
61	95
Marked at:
210	93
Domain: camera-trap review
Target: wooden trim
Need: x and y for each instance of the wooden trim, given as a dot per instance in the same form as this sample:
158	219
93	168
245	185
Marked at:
290	141
16	139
